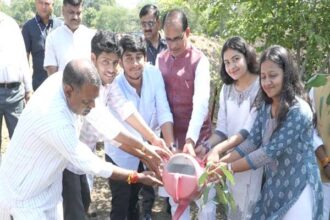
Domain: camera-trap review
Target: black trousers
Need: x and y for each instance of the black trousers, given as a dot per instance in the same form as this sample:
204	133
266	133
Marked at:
76	196
148	199
125	198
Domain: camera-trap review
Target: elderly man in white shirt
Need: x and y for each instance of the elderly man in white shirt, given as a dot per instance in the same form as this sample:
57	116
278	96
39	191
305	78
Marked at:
69	41
143	85
15	76
46	140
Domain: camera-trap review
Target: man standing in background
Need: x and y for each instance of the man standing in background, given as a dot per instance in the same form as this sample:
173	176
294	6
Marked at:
70	41
151	24
15	78
34	33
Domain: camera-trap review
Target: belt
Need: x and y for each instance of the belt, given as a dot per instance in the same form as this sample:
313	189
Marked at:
10	85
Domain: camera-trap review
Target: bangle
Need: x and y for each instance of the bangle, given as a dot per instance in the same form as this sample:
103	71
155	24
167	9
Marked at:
229	168
132	178
324	162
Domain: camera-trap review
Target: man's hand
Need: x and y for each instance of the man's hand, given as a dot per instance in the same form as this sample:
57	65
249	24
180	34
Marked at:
149	178
201	151
159	142
27	96
154	158
212	156
188	148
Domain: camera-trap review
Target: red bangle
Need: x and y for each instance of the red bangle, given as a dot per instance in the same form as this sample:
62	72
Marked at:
132	178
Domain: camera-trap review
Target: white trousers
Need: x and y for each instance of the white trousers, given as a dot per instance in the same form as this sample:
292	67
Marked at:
303	208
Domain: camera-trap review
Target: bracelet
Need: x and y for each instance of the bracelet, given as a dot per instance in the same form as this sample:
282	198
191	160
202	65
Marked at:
132	178
324	162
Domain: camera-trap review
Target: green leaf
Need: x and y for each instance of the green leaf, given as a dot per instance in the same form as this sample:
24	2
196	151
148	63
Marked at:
206	194
221	196
316	81
328	99
231	201
202	179
228	175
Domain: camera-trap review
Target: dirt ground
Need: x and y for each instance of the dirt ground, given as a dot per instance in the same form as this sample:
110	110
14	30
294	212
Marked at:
101	194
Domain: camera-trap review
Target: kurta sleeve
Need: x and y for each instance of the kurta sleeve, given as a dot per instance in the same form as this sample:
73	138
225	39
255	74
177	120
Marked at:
200	99
254	139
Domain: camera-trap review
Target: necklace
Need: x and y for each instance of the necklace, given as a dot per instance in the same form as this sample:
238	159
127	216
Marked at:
43	32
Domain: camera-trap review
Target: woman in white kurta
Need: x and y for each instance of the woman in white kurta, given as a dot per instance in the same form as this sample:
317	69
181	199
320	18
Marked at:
235	118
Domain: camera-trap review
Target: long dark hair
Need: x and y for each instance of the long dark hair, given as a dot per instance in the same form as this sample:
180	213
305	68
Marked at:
240	45
292	84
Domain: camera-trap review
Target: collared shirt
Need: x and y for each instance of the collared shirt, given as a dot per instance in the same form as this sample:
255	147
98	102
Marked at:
200	98
63	45
152	105
153	52
14	66
46	139
34	33
100	124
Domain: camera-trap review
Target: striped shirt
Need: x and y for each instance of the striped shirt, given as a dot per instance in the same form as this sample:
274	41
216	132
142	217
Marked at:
46	139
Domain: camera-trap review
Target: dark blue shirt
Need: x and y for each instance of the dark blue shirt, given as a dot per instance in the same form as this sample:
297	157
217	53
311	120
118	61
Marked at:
34	32
153	52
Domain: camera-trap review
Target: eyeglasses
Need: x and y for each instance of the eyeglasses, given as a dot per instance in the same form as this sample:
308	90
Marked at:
175	39
149	24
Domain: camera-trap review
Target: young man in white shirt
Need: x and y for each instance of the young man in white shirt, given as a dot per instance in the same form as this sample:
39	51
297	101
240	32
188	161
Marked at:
143	85
46	139
105	56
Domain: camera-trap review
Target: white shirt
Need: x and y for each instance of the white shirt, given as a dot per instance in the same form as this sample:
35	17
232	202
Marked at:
100	124
200	98
63	45
45	140
14	66
152	105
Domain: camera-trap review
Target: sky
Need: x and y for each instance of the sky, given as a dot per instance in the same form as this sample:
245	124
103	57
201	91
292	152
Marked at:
128	3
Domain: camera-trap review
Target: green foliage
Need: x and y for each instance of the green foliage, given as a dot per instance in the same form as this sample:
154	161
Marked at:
223	194
316	80
21	10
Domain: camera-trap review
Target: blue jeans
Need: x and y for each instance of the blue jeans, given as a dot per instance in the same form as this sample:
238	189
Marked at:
11	107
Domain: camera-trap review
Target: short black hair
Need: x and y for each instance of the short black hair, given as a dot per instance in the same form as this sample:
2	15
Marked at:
179	14
132	43
149	8
239	44
72	2
105	41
